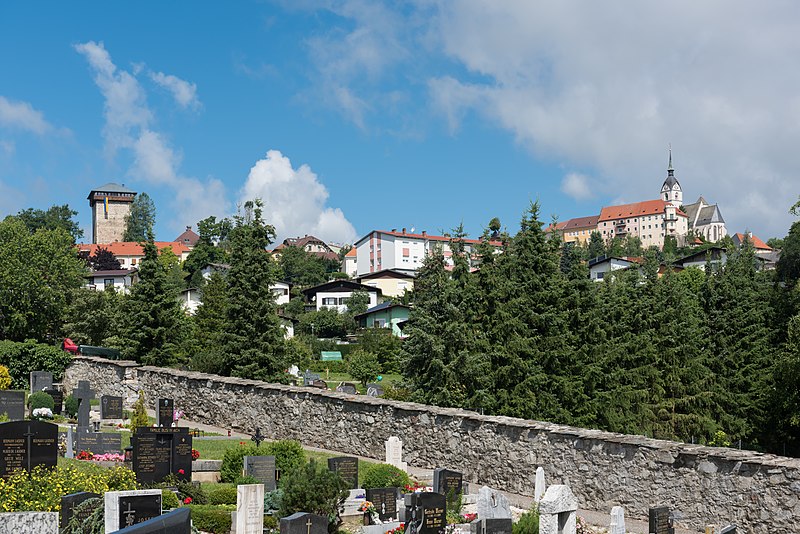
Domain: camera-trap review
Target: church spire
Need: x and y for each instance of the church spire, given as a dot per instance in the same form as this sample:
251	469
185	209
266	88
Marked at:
670	170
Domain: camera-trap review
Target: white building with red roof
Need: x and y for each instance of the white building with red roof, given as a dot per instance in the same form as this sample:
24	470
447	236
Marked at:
130	254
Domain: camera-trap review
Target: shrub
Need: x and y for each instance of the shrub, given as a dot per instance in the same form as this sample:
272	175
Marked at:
169	500
5	377
40	399
209	518
43	488
384	476
20	358
243	480
222	495
528	523
363	366
272	500
94	523
313	488
289	455
71	406
139	418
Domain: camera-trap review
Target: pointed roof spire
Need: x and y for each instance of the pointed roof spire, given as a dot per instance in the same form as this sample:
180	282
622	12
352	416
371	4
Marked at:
670	170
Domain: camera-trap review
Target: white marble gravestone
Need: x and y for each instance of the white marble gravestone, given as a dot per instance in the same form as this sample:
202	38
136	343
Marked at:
617	520
111	501
250	509
492	504
394	453
29	523
539	485
558	511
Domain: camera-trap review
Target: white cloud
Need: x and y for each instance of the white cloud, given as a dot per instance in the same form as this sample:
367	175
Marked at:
184	93
576	185
295	200
128	126
22	115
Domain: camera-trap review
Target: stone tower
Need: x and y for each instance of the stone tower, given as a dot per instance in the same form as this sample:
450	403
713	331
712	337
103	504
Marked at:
110	204
671	190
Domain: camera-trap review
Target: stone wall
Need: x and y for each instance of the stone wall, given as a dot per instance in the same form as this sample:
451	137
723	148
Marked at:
703	485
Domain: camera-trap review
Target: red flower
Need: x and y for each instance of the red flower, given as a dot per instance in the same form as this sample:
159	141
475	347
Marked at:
187	500
195	454
181	471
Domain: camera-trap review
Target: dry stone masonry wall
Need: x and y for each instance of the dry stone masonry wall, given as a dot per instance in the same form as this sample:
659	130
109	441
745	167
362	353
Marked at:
759	492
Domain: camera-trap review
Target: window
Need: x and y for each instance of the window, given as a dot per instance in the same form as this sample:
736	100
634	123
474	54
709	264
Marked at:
329	301
401	284
406	252
600	276
380	323
108	282
133	261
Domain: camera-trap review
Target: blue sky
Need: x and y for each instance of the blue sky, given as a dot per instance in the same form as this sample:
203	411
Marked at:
347	116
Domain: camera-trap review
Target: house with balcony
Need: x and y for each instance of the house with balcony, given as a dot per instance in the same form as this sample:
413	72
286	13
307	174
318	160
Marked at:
335	295
385	315
119	280
391	282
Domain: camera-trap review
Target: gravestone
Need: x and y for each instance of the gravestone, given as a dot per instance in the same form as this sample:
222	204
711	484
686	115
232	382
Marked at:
58	399
127	508
347	467
12	403
69	502
492	504
110	407
558	511
250	509
539	485
27	444
375	390
394	453
41	380
617	520
446	481
262	468
730	529
29	523
347	387
427	514
84	395
660	521
319	384
178	521
304	523
158	451
385	501
491	526
309	378
99	442
165	412
70	444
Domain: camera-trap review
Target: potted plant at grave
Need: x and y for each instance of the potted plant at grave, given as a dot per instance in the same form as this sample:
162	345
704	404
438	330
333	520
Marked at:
370	513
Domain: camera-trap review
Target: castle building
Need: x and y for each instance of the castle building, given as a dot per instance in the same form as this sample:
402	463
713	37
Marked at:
110	204
671	190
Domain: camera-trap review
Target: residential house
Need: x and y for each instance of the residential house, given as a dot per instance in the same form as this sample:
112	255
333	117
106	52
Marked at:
385	315
599	268
130	254
191	299
768	256
716	257
309	243
381	250
350	263
288	324
281	290
188	238
705	220
391	282
579	229
335	294
119	280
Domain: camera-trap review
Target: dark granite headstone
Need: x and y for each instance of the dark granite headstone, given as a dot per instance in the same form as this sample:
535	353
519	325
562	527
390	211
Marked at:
41	380
135	509
491	526
99	442
165	412
320	384
12	403
309	377
178	521
730	529
158	451
385	501
347	387
110	407
660	521
375	390
446	481
429	513
304	523
58	399
84	394
262	468
27	444
347	467
69	502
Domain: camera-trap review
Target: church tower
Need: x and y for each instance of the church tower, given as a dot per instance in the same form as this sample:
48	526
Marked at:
110	205
671	190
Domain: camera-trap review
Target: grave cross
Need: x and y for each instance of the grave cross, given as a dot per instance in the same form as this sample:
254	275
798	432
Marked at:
84	394
258	437
308	525
129	516
29	435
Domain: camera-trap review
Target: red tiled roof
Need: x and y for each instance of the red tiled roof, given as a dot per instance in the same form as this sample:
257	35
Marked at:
637	209
351	253
435	237
130	248
188	237
581	222
757	243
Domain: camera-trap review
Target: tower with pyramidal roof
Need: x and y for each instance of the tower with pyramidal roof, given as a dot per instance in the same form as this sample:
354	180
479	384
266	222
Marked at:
110	204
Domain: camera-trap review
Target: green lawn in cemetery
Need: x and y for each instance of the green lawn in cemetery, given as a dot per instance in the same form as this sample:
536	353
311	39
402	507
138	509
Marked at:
333	380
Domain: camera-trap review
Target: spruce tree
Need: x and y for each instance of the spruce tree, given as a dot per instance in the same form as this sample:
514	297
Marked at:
141	219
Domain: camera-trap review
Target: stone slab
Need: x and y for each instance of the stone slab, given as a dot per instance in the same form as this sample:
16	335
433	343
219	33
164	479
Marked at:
29	523
126	508
249	509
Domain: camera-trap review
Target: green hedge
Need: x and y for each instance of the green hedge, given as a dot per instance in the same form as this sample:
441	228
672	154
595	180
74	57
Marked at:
222	495
384	476
288	455
210	518
22	358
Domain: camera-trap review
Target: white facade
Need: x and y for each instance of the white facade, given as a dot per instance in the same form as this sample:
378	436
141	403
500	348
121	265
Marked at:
190	299
119	281
338	299
599	271
281	292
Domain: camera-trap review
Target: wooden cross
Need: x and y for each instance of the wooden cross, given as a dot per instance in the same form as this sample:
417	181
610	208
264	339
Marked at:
308	524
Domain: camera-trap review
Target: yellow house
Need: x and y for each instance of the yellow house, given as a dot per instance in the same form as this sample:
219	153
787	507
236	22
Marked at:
391	282
579	229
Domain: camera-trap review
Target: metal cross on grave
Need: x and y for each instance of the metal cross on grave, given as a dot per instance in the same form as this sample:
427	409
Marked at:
84	394
258	437
130	516
29	435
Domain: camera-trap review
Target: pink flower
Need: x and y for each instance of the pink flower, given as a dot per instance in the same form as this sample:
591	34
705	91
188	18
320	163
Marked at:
181	471
187	500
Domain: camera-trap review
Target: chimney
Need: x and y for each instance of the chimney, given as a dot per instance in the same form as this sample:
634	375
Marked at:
188	228
404	231
424	233
394	229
